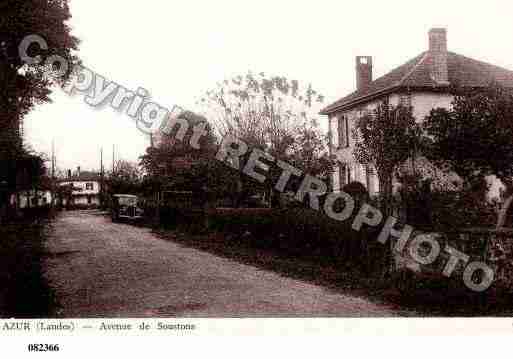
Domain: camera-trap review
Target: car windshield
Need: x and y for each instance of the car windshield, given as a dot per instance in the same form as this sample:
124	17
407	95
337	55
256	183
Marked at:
127	201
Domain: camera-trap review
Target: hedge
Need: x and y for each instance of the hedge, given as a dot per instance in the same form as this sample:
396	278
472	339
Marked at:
300	232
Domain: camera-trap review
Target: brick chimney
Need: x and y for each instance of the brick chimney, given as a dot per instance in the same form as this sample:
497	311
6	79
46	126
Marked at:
363	71
438	55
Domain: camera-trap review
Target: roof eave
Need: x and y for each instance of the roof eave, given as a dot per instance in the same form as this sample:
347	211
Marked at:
383	92
348	105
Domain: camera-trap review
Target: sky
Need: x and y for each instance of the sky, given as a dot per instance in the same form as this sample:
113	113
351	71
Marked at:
179	49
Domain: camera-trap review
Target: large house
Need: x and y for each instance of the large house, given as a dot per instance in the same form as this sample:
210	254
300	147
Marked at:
424	83
85	189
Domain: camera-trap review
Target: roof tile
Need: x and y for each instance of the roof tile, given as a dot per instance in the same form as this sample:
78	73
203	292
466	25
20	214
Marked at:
463	71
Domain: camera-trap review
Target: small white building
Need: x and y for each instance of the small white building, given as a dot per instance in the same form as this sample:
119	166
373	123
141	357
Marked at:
86	187
424	83
32	199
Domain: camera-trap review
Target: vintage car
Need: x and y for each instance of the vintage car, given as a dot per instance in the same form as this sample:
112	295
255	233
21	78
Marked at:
126	207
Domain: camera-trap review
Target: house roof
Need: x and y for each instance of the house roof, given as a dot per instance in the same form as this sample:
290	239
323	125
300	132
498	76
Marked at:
85	176
416	75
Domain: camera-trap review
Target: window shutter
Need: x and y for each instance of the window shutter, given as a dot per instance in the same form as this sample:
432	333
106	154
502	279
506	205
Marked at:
347	131
342	176
343	132
368	179
330	137
372	179
340	131
405	100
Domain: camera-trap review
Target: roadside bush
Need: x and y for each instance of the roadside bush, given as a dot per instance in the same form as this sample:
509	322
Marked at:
35	212
182	219
241	220
446	210
299	232
24	292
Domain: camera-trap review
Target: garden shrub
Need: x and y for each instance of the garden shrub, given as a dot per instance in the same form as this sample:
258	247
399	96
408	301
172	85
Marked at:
440	210
298	232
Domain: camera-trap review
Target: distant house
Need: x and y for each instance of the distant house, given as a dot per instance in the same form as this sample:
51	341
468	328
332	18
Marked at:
85	189
32	198
23	185
424	83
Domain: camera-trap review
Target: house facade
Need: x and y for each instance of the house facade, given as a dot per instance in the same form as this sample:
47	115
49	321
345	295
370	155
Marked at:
85	189
32	199
424	83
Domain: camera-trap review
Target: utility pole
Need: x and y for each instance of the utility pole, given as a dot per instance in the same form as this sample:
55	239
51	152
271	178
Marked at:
113	157
102	194
53	159
52	201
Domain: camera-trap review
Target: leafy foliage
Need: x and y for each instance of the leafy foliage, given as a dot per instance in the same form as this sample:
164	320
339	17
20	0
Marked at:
22	86
441	209
24	172
385	139
300	232
269	112
475	137
263	111
176	165
126	178
273	114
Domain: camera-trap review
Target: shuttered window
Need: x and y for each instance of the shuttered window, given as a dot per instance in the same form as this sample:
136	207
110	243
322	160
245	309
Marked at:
368	177
405	100
342	175
343	132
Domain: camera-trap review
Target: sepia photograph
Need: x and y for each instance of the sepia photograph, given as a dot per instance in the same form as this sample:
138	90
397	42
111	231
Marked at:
164	164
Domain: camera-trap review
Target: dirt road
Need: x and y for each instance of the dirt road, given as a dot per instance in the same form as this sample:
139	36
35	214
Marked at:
101	269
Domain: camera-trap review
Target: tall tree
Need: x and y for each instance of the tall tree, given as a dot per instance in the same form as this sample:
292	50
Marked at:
475	137
126	178
21	85
176	164
263	111
385	139
274	114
